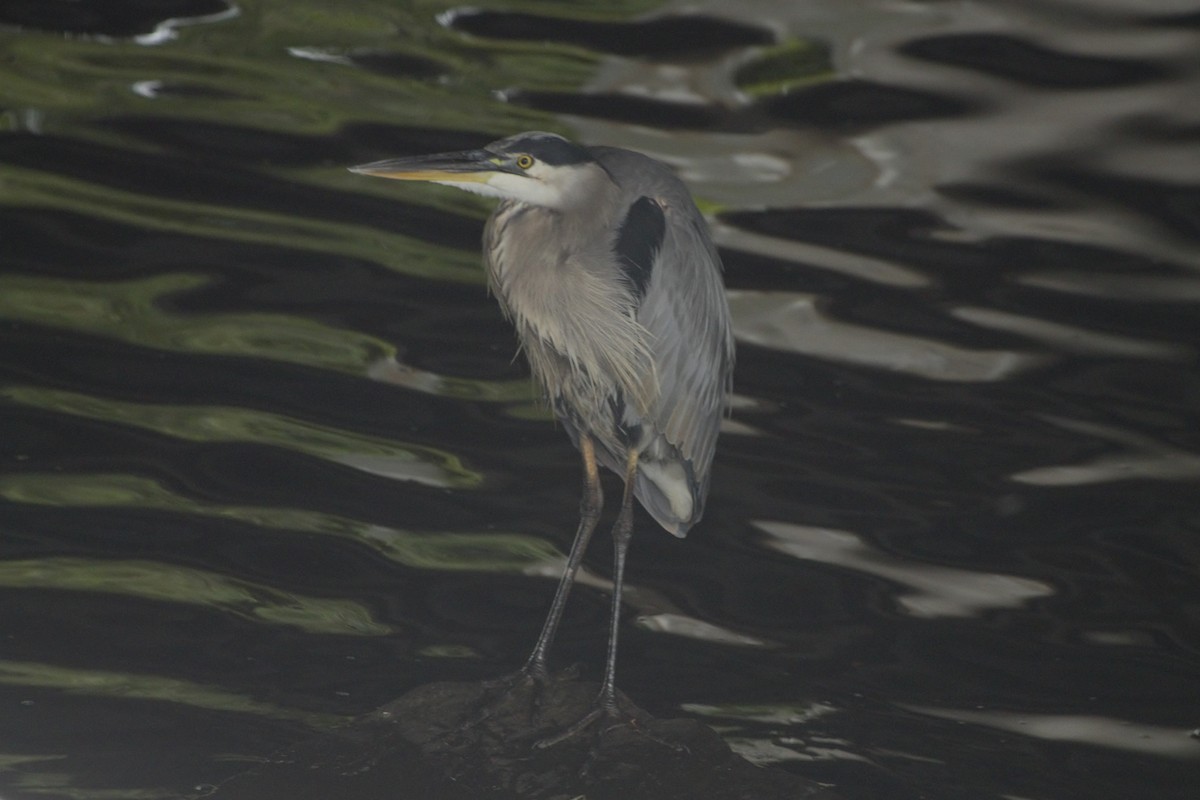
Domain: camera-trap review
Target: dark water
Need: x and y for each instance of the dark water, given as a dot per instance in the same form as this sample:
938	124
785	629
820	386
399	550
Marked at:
267	461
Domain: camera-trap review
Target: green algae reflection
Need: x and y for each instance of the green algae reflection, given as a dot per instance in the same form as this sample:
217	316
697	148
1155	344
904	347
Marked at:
100	683
161	582
372	454
129	311
443	551
248	226
784	67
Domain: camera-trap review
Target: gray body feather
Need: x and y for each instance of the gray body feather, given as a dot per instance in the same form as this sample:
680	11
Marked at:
629	337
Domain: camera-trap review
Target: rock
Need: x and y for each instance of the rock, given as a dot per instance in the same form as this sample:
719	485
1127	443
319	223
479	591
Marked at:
423	745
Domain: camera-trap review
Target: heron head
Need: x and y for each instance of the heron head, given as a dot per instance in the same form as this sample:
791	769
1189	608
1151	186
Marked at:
541	169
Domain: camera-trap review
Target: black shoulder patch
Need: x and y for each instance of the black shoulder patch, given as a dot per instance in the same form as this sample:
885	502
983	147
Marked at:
638	243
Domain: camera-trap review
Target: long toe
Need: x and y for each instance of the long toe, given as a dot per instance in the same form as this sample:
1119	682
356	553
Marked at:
600	717
507	695
608	714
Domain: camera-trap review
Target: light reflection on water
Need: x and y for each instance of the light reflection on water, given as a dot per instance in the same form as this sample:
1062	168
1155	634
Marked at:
1073	339
933	591
954	504
1080	729
794	323
1144	458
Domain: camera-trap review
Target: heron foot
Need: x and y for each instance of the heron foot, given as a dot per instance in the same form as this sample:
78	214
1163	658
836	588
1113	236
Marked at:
612	718
606	717
533	676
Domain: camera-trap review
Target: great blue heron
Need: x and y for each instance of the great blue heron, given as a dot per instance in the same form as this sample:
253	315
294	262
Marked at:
601	260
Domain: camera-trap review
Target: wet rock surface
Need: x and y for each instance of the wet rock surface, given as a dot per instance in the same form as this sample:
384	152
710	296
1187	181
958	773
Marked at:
419	746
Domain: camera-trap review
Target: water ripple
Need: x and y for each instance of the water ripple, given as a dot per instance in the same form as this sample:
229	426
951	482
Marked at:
125	685
425	465
1096	731
795	323
1144	458
159	582
935	591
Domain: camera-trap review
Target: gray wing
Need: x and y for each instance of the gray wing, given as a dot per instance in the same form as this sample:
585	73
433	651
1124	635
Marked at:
687	315
673	274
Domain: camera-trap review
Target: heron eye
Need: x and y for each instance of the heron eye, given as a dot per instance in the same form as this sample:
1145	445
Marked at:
524	161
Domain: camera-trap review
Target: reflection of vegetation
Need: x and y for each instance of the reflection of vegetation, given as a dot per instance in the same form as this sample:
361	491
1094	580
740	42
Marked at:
447	651
233	223
245	69
153	580
539	412
127	311
58	785
125	685
215	423
9	761
775	70
498	552
263	69
445	551
287	67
